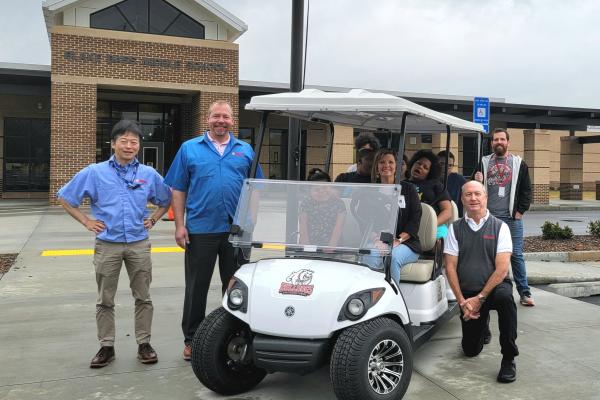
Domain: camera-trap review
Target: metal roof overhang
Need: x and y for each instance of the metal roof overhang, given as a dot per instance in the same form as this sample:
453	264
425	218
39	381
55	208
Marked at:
360	109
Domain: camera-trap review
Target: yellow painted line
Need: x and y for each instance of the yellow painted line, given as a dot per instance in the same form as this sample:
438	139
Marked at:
87	252
167	250
76	252
273	246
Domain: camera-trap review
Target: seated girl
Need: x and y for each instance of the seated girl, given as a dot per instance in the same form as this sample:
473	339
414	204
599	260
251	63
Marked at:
406	246
322	213
423	171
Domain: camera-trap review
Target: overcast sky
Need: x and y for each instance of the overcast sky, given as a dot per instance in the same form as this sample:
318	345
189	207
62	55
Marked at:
526	51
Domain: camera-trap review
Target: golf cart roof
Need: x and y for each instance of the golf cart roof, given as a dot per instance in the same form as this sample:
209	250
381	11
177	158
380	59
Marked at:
360	109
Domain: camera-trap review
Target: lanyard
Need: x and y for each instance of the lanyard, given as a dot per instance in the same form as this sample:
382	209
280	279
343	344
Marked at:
130	183
502	178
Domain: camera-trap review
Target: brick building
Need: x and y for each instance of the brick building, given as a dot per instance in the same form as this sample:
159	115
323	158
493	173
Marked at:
159	62
162	62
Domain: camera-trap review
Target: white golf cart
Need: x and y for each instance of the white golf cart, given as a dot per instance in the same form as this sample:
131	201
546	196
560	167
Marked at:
307	298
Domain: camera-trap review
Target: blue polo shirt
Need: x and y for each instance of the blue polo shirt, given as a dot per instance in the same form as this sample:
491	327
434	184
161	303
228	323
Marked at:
213	183
118	197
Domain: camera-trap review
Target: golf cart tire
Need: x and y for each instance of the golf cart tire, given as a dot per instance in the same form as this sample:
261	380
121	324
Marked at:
349	368
211	362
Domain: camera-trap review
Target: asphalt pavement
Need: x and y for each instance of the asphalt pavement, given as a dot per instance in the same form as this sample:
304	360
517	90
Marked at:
47	333
577	220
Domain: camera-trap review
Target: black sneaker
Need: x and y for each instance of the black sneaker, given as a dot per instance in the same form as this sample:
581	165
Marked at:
508	371
104	356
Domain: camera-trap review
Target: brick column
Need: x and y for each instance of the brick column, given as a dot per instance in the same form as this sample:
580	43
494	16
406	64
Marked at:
186	128
537	156
72	132
591	166
571	168
438	143
343	150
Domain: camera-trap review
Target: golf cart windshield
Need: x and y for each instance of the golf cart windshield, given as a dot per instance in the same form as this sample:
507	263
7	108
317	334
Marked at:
316	218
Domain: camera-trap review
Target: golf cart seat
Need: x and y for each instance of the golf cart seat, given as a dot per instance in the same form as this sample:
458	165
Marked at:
420	271
455	216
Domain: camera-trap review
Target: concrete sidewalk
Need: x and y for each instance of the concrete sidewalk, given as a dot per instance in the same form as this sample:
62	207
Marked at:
47	335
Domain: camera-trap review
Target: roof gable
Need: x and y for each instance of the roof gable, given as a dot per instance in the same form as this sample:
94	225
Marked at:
198	10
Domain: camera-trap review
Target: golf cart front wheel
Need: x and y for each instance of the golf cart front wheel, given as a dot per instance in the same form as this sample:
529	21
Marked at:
221	355
372	360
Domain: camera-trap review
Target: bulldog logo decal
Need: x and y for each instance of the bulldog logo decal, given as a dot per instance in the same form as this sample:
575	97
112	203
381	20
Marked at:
298	283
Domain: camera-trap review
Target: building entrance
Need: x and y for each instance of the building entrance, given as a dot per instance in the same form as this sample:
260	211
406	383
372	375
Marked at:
160	128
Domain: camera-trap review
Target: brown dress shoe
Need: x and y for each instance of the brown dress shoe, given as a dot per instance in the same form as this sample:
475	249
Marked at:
187	352
104	356
146	354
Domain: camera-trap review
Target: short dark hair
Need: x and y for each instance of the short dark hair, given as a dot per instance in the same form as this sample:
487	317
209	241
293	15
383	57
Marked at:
442	154
434	171
126	125
317	174
498	130
366	138
364	153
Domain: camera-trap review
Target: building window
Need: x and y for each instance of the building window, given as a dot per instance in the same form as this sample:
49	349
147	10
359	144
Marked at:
247	135
147	16
26	155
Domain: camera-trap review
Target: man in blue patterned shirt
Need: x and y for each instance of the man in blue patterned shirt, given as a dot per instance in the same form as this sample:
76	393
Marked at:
119	190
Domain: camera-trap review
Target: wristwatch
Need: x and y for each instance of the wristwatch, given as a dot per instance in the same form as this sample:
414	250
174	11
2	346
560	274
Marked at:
153	221
481	298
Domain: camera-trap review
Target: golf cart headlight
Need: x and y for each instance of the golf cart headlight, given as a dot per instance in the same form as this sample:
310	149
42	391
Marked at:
236	297
356	307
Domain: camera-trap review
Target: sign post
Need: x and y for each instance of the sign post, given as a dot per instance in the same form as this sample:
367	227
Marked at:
481	112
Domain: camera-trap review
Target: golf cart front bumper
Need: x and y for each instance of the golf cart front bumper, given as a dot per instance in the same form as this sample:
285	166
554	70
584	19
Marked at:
276	354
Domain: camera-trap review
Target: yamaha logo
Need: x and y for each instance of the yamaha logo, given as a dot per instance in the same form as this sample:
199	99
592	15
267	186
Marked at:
289	311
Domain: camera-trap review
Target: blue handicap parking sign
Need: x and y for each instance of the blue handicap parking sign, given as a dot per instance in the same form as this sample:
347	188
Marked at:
481	112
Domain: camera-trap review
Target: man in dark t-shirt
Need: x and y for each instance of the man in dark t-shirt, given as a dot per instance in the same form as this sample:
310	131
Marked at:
364	164
455	180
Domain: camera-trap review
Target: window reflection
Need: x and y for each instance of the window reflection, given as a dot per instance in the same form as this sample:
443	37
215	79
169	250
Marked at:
26	154
147	16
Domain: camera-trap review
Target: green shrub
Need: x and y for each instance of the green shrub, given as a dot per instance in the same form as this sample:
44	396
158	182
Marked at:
552	230
594	228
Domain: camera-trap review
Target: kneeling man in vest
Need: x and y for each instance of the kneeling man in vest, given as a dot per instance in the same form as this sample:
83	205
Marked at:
477	255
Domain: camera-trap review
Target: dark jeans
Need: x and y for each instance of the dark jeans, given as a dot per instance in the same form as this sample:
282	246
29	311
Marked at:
501	300
517	260
200	257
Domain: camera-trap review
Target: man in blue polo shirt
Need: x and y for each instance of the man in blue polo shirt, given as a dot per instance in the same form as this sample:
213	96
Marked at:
118	190
206	177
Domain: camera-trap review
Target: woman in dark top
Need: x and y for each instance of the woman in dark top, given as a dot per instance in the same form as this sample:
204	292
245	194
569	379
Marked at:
406	243
424	171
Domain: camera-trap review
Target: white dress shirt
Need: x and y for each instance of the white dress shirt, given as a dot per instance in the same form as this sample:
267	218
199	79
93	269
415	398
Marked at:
504	244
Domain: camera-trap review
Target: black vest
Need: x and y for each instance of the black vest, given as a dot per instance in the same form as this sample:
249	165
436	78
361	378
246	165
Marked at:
476	252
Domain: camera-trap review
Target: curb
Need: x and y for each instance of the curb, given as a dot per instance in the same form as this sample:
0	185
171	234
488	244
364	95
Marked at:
564	256
575	289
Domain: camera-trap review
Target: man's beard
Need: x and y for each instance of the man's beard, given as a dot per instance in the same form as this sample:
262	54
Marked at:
218	132
500	150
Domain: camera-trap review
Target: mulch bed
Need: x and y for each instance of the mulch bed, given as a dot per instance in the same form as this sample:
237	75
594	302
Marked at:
535	244
6	261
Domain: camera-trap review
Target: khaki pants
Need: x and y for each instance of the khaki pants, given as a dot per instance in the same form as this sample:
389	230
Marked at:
108	259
